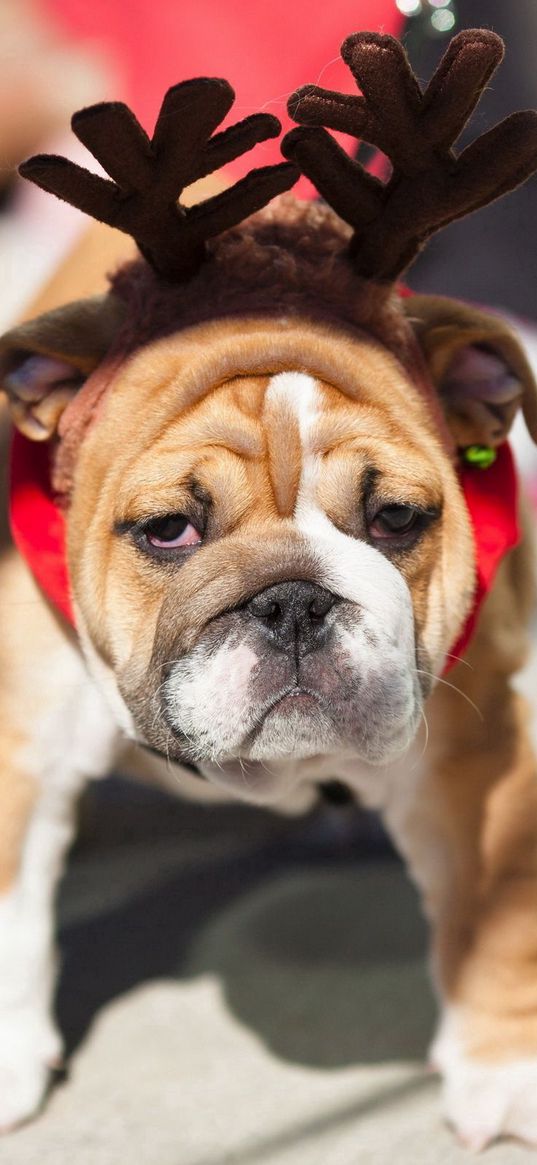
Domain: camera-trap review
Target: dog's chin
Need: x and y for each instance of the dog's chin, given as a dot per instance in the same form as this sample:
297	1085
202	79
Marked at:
296	741
295	727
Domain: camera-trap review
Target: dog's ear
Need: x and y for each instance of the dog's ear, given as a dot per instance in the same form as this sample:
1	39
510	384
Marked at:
44	361
478	367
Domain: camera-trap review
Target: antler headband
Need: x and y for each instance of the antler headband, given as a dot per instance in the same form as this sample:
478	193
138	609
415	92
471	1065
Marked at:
149	175
429	186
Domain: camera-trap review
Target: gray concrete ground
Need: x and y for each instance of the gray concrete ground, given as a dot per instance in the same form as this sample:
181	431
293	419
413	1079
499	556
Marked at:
238	988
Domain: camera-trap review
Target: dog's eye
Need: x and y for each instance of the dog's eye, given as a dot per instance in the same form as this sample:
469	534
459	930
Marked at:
171	531
394	521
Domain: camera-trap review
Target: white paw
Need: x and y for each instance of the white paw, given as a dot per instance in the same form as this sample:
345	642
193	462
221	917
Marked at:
483	1100
29	1047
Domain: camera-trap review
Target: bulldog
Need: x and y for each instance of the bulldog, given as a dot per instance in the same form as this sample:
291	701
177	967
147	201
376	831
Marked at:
262	501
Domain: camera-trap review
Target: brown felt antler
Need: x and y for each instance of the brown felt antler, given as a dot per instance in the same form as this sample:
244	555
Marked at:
429	186
149	175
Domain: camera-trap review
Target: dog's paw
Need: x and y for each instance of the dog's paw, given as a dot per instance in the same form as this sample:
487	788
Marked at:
29	1048
484	1100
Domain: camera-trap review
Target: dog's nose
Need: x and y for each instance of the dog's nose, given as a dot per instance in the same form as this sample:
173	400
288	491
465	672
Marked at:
293	615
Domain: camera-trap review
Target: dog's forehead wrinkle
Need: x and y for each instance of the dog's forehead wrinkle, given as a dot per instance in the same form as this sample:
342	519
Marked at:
199	491
237	373
220	418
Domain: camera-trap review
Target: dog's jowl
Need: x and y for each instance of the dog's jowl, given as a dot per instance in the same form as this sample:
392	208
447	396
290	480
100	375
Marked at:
253	488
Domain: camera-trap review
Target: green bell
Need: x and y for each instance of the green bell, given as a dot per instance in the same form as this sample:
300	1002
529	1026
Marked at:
481	456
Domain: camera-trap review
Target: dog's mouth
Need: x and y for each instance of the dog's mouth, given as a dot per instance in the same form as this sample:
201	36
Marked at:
296	700
289	718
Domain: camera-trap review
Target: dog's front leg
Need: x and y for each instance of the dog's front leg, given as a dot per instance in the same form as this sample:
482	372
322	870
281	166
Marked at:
468	827
43	767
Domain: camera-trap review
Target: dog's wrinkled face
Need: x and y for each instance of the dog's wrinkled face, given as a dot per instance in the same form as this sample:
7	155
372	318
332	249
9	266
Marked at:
271	557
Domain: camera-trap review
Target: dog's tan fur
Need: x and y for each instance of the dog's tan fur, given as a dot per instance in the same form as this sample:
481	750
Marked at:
194	402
